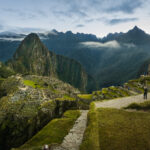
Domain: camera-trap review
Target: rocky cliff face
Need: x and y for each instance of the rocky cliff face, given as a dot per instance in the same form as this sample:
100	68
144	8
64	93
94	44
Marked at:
32	57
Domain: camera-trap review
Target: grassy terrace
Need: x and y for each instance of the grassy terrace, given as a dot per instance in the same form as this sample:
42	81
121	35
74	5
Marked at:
32	84
66	97
91	135
36	83
53	132
113	129
142	106
85	96
106	93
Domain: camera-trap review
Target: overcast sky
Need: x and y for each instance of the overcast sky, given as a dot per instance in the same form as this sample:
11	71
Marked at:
98	17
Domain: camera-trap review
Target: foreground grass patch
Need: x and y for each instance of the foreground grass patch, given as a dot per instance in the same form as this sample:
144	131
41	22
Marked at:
53	132
91	135
141	106
113	129
121	130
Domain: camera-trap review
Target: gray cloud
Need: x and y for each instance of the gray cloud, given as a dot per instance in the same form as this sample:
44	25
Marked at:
120	20
12	39
1	27
83	10
69	13
25	15
89	20
80	26
41	13
29	30
129	45
126	6
22	29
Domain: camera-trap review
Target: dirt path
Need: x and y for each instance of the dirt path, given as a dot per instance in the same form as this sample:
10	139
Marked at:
73	140
121	102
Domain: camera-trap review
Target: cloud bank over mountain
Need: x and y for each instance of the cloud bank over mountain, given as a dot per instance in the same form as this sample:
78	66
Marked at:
111	44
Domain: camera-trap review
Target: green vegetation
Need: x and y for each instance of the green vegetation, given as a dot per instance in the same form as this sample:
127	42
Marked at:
34	84
30	83
26	110
141	106
9	85
135	86
66	97
38	83
91	135
123	130
124	92
113	129
106	93
53	132
5	72
1	80
85	96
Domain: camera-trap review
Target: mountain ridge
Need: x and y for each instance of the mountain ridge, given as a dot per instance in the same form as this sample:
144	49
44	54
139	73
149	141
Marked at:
99	61
32	57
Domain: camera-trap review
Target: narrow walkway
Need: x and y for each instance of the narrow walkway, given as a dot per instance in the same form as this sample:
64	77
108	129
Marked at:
120	102
74	139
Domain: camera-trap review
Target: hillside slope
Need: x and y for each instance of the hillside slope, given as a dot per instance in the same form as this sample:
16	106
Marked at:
28	103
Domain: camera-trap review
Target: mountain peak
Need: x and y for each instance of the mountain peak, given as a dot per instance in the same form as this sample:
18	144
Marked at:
31	46
32	36
136	29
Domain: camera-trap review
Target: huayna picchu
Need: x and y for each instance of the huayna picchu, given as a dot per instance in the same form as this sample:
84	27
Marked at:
32	57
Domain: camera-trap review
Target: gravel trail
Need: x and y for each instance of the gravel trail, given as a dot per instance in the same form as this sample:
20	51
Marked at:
120	102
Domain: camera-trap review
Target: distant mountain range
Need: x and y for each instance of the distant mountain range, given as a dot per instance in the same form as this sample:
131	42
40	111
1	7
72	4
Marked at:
111	60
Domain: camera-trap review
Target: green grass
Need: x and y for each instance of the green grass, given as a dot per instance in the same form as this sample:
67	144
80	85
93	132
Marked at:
91	135
124	92
66	97
31	83
113	129
141	106
53	132
108	94
134	86
115	93
85	96
121	130
38	83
